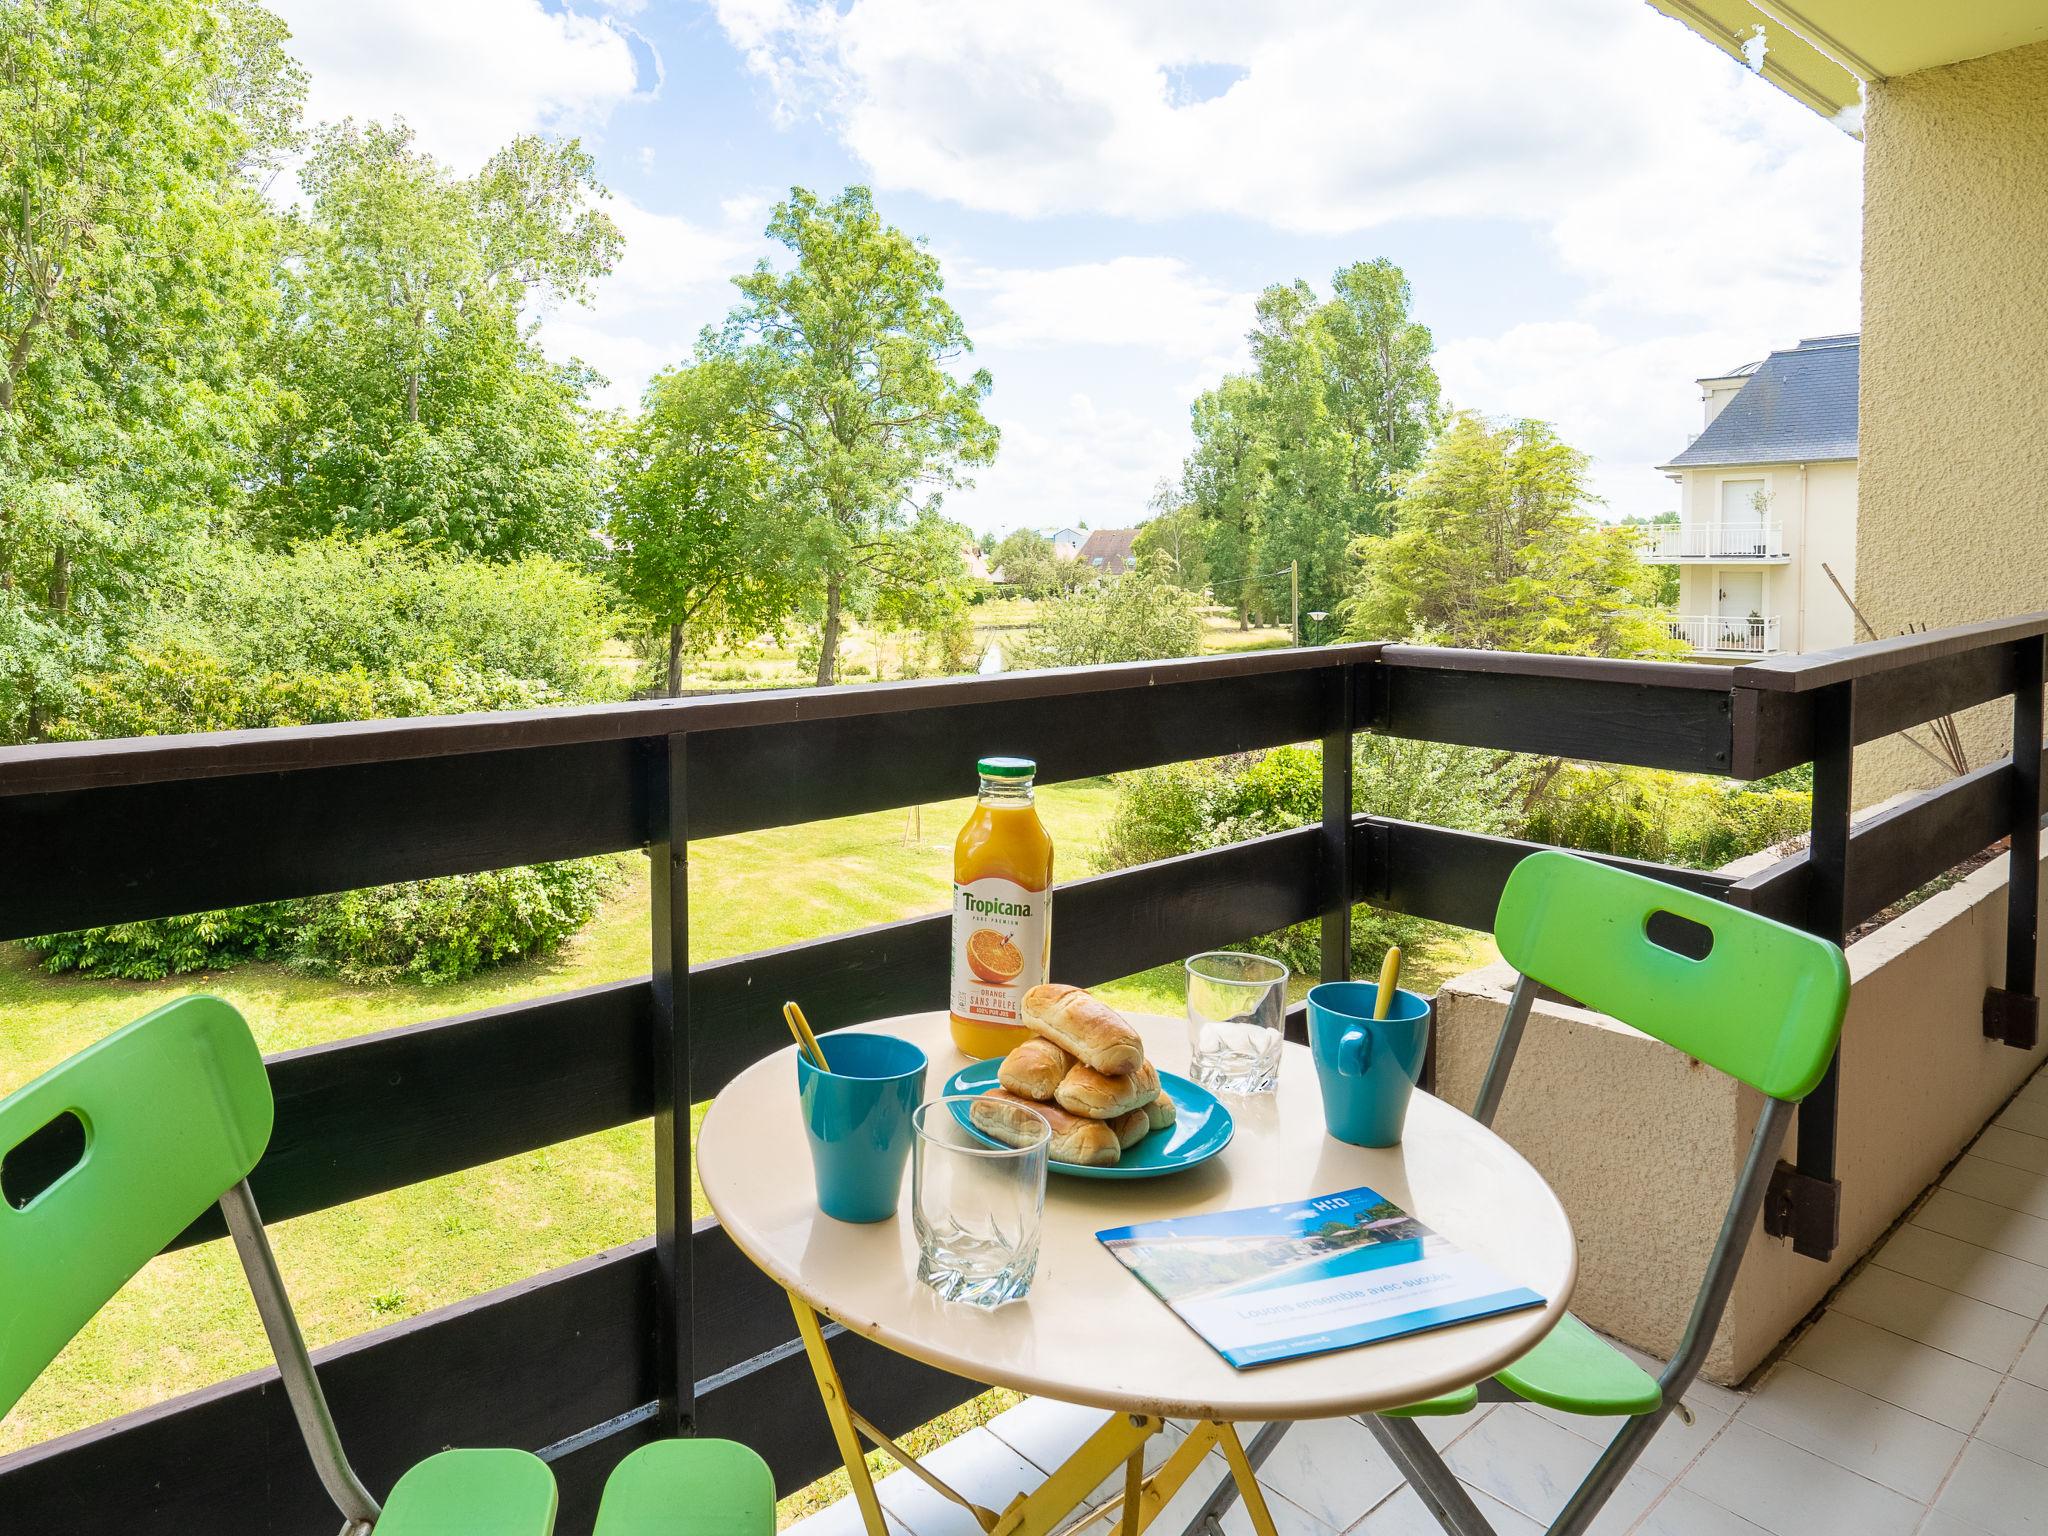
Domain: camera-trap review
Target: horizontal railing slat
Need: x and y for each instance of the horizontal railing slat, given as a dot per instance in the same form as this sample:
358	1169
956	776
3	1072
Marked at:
1457	877
1947	685
381	1111
64	766
123	853
193	844
1821	669
811	770
1604	713
1897	851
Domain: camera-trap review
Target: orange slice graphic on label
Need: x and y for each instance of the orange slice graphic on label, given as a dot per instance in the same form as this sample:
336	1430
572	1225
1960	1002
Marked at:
992	957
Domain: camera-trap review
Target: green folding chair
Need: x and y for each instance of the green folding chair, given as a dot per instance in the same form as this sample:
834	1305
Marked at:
159	1120
1763	1003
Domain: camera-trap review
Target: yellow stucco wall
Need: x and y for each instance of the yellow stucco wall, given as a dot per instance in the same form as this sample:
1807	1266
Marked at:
1953	495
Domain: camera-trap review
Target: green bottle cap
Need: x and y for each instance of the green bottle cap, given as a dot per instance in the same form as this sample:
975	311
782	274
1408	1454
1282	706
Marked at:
1006	768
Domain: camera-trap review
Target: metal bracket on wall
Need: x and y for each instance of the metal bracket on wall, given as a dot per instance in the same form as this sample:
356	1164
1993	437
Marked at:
2012	1018
1806	1209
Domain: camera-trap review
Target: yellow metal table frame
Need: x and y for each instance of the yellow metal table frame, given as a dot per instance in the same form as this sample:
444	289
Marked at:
1049	1510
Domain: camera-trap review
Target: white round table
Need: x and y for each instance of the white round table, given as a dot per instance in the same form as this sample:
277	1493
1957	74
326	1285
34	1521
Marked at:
1089	1332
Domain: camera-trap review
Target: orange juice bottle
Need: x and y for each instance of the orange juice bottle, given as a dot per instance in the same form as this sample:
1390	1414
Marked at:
1002	909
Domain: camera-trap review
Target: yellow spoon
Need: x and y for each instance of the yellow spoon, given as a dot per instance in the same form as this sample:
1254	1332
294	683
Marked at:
1390	978
806	1041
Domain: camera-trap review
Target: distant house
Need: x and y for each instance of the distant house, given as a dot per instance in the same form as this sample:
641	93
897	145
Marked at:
1767	496
977	566
1108	550
1066	542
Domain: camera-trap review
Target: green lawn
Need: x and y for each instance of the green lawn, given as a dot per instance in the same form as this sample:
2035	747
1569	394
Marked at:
186	1321
866	655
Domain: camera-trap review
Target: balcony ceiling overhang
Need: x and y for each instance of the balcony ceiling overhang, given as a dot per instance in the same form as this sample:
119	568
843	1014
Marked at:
1822	52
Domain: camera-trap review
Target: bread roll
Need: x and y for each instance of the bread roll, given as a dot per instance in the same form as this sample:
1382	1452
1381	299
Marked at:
1160	1112
1088	1092
1006	1117
1078	1024
1132	1128
1034	1069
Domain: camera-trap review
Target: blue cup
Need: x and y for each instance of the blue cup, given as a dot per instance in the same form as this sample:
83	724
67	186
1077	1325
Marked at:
857	1117
1367	1067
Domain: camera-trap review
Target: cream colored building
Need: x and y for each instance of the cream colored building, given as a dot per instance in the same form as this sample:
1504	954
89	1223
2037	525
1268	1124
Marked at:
1767	507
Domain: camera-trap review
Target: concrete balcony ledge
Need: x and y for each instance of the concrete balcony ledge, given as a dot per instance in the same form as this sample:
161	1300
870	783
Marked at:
1643	1143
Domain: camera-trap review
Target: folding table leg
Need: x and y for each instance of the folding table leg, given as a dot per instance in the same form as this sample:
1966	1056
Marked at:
1134	1486
833	1394
1209	1518
1434	1483
1248	1487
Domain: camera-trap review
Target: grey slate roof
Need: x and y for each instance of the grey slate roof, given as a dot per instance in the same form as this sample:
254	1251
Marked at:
1799	407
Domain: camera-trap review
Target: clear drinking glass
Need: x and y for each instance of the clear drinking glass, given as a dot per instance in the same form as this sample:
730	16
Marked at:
977	1207
1237	1006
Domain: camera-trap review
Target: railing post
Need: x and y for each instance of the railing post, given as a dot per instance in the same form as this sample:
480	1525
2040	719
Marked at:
668	859
1805	1201
1335	861
2012	1013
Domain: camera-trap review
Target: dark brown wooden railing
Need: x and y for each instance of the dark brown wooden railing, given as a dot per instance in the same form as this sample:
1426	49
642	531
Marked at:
679	1331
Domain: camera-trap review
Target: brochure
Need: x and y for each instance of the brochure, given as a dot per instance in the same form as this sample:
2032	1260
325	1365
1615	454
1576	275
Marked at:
1281	1281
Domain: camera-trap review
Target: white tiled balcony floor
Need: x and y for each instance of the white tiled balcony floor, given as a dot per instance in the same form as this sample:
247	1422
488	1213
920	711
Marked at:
1916	1406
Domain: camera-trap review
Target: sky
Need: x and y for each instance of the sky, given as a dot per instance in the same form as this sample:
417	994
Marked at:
1593	207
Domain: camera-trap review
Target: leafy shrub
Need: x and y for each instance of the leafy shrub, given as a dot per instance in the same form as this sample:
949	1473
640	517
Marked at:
1139	616
179	688
380	606
1669	818
442	930
353	630
171	946
1185	807
419	930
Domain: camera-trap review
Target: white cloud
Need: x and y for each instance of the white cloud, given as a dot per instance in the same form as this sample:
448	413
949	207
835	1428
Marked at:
467	74
1652	161
1089	464
1158	304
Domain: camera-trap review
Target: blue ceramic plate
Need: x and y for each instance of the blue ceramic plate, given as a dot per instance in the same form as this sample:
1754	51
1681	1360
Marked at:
1201	1128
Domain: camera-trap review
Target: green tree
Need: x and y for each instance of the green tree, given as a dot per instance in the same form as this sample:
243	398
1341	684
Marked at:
417	398
1492	549
1172	538
854	345
698	533
1666	594
924	592
1299	457
1028	562
1141	615
134	268
1226	481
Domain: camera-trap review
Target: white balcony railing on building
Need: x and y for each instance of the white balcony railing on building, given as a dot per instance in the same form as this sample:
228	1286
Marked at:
1713	541
1707	634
